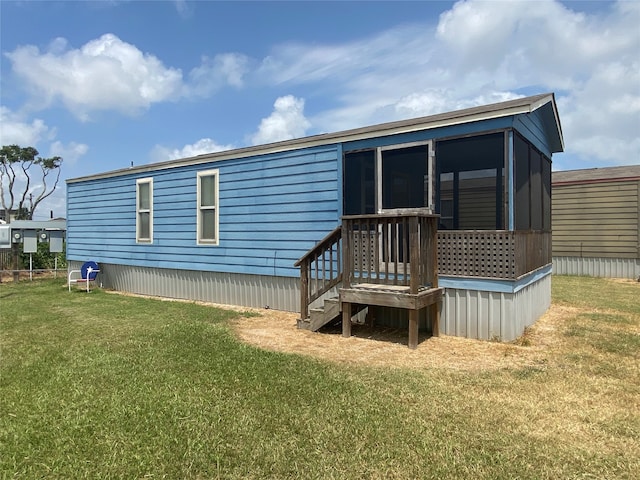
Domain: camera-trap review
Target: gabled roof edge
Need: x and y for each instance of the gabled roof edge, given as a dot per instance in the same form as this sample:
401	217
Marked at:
551	98
516	106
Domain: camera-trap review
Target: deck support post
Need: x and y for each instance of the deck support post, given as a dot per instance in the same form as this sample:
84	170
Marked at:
413	328
435	319
390	260
346	319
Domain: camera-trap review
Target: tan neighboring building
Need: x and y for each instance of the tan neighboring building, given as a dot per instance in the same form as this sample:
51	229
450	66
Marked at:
596	222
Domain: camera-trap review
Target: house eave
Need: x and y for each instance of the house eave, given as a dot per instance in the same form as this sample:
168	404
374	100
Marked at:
523	105
553	120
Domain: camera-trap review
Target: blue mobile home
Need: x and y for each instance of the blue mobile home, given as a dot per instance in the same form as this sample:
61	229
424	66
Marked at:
241	226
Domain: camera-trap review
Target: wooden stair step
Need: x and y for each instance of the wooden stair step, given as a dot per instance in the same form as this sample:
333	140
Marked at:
329	311
320	316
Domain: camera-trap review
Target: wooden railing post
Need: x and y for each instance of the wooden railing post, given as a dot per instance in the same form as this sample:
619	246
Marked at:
316	275
432	247
304	290
414	256
347	232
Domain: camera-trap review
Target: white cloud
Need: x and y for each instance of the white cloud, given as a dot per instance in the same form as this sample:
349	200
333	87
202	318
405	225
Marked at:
482	52
364	76
15	130
591	61
70	152
183	9
215	73
477	52
287	121
202	146
434	101
543	40
105	73
110	74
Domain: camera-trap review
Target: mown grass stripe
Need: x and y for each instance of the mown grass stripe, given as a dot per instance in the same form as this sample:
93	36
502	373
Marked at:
110	386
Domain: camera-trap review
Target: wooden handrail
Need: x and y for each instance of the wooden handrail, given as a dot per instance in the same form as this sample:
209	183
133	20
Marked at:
396	248
318	246
382	248
320	269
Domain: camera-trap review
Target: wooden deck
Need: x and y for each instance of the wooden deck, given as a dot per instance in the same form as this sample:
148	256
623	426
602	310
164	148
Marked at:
394	259
395	296
390	260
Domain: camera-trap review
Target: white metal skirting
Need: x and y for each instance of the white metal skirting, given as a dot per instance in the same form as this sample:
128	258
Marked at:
280	293
597	267
494	315
465	313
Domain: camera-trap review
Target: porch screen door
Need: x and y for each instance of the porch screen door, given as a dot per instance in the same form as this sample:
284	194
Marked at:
404	183
405	179
384	180
388	178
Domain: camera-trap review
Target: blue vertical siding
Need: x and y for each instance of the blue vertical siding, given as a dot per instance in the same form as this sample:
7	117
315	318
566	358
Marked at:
273	208
531	126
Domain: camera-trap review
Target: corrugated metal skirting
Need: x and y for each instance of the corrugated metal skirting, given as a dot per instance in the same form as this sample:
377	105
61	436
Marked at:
494	315
465	313
280	293
597	267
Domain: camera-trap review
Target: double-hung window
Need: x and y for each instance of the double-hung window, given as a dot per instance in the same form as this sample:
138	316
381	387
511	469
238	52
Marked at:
208	212
144	210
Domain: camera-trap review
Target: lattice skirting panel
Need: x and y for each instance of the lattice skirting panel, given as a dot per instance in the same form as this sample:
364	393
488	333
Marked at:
477	254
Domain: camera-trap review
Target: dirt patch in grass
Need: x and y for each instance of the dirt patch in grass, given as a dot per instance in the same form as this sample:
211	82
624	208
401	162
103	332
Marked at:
276	330
544	341
627	281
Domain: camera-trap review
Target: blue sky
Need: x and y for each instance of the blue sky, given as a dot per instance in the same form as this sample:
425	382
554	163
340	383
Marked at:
107	83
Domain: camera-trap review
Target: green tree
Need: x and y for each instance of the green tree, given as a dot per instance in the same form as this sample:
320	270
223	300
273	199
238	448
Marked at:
26	179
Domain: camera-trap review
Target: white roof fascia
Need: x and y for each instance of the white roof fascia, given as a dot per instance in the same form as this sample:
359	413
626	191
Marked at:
469	115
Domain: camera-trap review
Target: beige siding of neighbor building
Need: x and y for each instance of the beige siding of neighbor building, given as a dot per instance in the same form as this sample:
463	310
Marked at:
596	218
477	203
477	209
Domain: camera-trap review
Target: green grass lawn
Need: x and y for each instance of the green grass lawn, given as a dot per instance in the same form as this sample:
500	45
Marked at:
109	386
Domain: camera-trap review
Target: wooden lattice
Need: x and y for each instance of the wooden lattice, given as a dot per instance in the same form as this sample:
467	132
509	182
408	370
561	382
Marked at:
365	250
489	254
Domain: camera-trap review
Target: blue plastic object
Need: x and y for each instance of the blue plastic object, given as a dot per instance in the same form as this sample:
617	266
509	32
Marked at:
84	270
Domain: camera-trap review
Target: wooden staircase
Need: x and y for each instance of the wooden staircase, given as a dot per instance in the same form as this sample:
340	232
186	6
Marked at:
320	273
386	260
326	313
321	315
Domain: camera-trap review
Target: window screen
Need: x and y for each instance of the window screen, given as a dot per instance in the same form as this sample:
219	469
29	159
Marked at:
144	210
208	212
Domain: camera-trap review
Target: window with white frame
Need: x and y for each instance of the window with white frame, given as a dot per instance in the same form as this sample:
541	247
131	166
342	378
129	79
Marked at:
144	210
208	212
